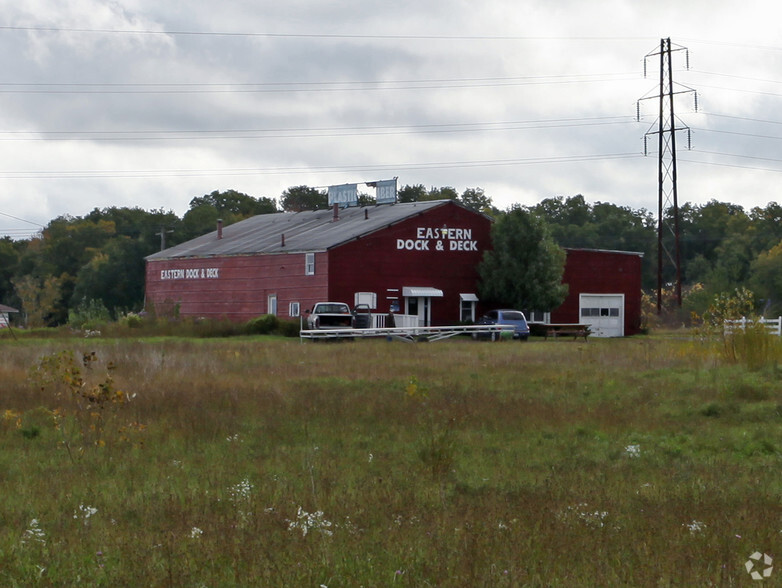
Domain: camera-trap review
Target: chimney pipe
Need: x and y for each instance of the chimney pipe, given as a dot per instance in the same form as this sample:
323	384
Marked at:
335	208
366	214
219	228
282	240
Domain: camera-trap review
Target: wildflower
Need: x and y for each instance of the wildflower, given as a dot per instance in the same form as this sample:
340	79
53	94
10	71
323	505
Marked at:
695	526
371	457
34	534
633	450
306	521
582	513
195	533
239	495
233	438
85	514
241	491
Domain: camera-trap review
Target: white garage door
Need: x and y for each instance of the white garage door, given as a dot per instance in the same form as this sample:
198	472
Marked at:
605	313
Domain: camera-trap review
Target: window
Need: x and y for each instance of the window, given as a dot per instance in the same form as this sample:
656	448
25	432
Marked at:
368	298
294	309
467	311
467	306
538	316
309	264
271	304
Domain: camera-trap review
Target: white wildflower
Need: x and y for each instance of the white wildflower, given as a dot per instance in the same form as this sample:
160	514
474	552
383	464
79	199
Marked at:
582	513
306	521
84	512
34	534
633	450
695	526
195	533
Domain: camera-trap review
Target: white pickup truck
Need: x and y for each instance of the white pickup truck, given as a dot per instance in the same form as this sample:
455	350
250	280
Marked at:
337	315
330	315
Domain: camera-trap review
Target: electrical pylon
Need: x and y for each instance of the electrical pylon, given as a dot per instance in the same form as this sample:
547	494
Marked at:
667	191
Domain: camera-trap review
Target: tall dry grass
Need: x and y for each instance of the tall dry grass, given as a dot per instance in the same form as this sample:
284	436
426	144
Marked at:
261	462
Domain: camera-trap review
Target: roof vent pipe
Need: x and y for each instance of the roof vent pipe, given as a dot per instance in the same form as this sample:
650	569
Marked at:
282	240
366	214
335	208
219	228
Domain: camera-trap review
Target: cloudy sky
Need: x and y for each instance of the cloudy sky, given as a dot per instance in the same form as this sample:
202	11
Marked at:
149	104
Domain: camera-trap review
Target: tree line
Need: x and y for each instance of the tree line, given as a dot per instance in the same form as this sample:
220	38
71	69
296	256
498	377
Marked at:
95	263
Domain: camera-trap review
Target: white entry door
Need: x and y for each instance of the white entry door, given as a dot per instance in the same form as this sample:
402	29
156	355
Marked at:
604	313
420	306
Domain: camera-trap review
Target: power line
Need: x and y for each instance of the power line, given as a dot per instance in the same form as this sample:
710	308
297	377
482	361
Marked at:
114	174
304	132
317	35
288	87
20	219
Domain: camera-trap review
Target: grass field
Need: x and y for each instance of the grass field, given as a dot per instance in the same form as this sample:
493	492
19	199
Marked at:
650	461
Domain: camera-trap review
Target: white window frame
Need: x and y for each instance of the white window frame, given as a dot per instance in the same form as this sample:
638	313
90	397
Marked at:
467	301
368	298
271	304
309	264
294	309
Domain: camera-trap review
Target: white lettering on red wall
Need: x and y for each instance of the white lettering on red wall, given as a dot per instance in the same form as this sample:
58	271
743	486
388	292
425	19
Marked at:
439	239
211	273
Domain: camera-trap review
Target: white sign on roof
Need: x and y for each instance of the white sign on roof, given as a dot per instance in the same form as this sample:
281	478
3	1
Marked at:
385	191
346	194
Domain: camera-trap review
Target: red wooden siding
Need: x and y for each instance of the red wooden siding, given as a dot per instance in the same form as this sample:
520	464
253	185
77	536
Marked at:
375	263
240	288
602	272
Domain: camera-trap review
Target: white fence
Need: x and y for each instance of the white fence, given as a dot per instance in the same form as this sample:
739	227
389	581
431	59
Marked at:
774	326
407	321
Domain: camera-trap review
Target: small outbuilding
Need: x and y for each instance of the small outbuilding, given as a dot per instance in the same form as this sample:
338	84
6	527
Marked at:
604	291
5	312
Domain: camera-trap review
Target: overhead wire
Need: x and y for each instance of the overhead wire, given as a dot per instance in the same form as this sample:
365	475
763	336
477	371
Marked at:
309	132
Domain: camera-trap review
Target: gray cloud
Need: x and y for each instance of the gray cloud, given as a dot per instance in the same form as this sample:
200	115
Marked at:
525	100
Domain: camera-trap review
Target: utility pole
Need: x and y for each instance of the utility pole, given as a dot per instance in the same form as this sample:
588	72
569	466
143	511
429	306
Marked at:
162	234
667	191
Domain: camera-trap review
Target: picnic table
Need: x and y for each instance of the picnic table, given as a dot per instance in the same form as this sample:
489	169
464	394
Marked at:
574	330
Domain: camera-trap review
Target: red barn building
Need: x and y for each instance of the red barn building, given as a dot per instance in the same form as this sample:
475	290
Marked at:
604	291
416	259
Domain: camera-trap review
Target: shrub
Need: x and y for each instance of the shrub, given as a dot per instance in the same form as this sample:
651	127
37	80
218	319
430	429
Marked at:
288	328
131	321
90	314
262	325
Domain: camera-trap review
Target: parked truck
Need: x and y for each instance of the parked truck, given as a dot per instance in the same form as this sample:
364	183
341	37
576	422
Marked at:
337	315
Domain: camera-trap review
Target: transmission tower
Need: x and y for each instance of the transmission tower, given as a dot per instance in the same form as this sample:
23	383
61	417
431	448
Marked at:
667	192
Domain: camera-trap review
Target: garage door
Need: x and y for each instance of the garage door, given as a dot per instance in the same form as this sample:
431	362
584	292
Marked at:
605	313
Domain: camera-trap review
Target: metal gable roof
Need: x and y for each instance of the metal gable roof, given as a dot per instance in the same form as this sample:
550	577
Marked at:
303	231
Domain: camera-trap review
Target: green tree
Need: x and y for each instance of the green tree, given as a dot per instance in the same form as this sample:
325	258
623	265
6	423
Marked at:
409	193
299	198
766	279
230	206
477	200
114	276
524	267
236	203
9	258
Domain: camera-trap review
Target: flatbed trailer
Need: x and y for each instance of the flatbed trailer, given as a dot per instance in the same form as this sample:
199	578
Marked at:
407	334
